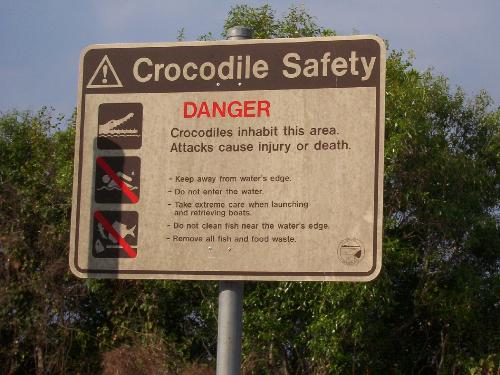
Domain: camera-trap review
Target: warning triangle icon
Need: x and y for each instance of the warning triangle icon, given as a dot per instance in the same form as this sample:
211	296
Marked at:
104	76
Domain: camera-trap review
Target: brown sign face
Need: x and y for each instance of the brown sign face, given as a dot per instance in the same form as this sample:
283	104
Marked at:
249	160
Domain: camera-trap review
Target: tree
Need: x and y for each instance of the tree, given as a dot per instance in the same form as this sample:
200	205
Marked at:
35	185
52	322
434	308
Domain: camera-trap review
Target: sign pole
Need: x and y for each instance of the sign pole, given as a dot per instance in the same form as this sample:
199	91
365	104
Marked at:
229	327
230	313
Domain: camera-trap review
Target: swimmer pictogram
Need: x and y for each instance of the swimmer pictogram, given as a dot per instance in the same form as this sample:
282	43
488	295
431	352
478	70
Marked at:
117	179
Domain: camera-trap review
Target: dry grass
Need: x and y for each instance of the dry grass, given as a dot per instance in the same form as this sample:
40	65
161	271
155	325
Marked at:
150	359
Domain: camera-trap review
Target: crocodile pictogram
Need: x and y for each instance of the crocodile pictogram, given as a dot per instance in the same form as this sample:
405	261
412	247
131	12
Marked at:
109	128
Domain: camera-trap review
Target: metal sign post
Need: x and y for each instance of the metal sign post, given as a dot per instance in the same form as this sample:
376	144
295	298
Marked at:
229	327
230	293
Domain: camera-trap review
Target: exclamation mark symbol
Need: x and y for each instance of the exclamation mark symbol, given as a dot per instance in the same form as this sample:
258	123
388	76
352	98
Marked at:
105	73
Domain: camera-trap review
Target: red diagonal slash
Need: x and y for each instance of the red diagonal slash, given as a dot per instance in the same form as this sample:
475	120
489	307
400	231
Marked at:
107	226
110	172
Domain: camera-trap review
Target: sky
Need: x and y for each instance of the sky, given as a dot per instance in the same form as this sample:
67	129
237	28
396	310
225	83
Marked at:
41	40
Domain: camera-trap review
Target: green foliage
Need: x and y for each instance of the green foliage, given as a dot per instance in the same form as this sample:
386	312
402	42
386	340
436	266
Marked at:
434	305
50	321
181	34
35	184
433	309
488	365
295	24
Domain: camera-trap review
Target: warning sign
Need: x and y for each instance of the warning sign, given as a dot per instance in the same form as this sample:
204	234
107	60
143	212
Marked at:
104	76
117	179
115	234
237	160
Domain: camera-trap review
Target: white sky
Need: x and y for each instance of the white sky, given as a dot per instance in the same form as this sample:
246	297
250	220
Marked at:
41	40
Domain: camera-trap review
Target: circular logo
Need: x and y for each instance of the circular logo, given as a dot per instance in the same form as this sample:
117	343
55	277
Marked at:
351	251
